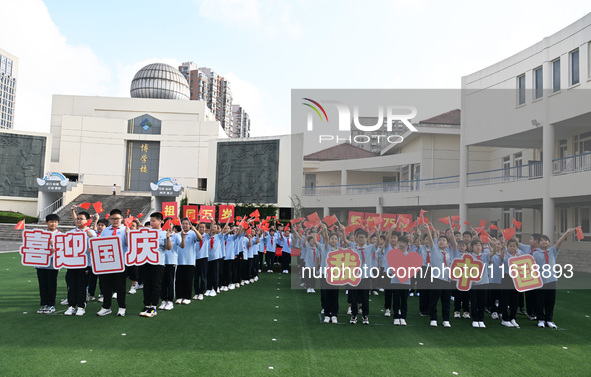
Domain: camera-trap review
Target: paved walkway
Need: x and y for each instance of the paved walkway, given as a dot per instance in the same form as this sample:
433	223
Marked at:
8	246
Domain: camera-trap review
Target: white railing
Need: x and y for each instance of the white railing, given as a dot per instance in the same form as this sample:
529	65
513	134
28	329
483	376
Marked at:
516	173
379	188
572	164
50	209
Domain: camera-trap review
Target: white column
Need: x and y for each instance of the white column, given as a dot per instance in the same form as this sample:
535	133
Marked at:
547	202
464	160
343	181
326	211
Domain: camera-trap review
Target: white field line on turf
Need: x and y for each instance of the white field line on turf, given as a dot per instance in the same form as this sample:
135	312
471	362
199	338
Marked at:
8	251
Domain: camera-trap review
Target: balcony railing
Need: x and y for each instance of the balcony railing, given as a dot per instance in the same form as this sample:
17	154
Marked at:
516	173
379	188
572	164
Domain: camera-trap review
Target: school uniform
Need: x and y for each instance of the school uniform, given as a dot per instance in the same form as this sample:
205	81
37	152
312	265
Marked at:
509	295
423	280
213	260
200	276
271	246
479	290
47	278
461	298
329	294
388	291
495	280
440	288
360	294
152	274
286	243
312	255
115	282
170	262
77	278
261	254
546	296
530	296
186	264
228	259
237	262
399	291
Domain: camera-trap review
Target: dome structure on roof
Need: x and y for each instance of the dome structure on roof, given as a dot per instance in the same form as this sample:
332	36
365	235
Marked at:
160	81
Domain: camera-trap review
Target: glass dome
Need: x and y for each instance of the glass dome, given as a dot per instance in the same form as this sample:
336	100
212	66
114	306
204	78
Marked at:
161	81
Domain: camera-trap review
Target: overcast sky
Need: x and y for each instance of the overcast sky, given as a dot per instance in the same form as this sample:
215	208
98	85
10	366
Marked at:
265	48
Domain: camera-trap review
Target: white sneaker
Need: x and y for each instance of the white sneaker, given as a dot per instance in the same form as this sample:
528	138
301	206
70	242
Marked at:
231	287
103	312
475	324
163	305
132	291
312	290
381	290
256	278
446	324
551	325
42	309
327	319
433	323
308	290
494	315
466	315
115	295
224	289
64	302
200	298
139	286
70	311
169	305
387	314
397	321
218	290
349	311
411	294
457	315
402	322
322	312
196	297
506	324
80	311
334	319
540	323
178	301
481	324
208	292
375	293
514	323
213	294
246	282
101	298
121	312
186	302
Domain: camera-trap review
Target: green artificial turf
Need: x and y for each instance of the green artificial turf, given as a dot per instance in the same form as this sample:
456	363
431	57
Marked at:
235	334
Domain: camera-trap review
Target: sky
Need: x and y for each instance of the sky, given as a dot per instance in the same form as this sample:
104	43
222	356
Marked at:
265	48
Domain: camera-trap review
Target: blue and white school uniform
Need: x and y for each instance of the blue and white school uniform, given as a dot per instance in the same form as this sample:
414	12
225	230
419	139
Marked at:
185	264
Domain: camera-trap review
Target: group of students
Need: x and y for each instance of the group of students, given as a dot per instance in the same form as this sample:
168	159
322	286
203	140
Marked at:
209	259
494	292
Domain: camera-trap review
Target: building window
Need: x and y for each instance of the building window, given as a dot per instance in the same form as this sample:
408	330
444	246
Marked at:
202	184
521	89
582	143
518	160
582	217
538	83
574	67
507	223
563	220
556	75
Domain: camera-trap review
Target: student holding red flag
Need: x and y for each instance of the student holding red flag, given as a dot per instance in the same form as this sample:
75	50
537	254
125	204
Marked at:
47	276
545	258
287	243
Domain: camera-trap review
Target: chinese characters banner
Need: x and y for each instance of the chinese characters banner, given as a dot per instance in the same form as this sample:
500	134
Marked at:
170	209
226	213
107	255
206	211
35	250
191	211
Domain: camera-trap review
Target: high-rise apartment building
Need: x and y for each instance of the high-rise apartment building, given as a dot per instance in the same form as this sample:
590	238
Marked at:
8	74
240	122
206	85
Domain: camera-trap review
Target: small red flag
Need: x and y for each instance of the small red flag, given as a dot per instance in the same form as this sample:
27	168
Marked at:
244	224
106	217
493	226
129	220
508	233
139	215
88	223
314	218
330	220
166	225
98	207
20	225
255	213
579	230
86	206
176	221
467	223
482	224
423	213
128	213
484	236
517	224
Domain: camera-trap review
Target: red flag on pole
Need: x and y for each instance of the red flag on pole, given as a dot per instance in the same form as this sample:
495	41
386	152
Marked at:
20	225
255	213
86	206
98	207
579	230
493	226
314	218
517	224
508	233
